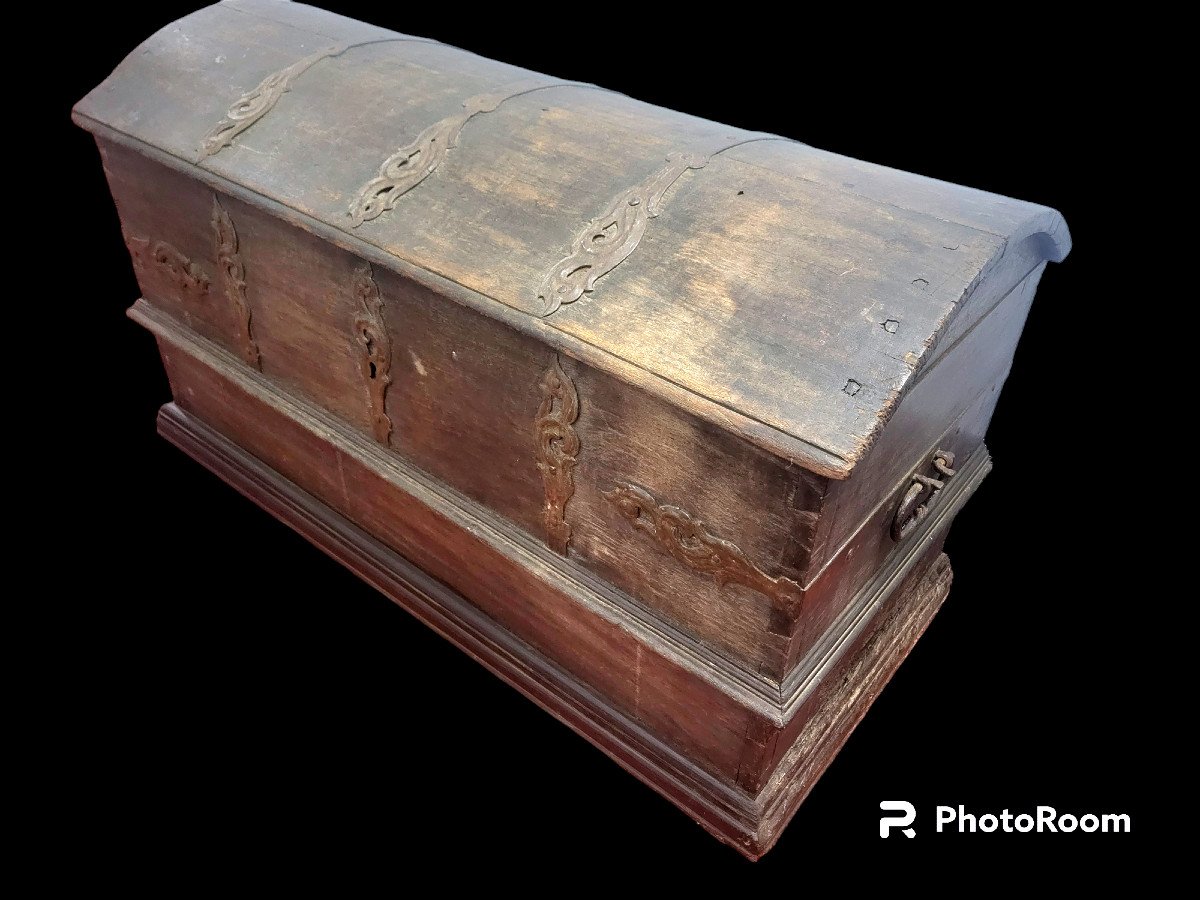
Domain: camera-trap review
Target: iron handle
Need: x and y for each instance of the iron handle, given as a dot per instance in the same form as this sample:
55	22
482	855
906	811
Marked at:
921	494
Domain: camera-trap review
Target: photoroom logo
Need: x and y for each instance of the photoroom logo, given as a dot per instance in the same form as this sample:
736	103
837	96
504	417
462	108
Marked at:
1043	820
887	823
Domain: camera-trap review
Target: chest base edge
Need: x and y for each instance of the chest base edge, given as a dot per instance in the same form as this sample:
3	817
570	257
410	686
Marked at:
750	823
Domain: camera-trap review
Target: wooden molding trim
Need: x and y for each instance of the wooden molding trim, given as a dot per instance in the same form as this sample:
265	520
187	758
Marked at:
750	824
752	689
806	675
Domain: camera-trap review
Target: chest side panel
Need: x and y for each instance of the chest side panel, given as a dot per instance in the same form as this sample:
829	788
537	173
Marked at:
973	363
948	410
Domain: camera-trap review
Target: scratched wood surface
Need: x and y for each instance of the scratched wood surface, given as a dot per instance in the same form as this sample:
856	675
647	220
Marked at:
664	685
975	368
645	390
464	396
777	765
507	586
792	291
764	286
462	403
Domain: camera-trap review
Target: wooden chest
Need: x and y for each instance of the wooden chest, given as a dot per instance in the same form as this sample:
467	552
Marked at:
662	421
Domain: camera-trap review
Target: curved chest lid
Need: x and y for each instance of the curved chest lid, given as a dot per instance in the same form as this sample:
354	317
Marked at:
784	292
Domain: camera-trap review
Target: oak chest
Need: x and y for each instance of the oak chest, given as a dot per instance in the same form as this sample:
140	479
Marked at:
661	420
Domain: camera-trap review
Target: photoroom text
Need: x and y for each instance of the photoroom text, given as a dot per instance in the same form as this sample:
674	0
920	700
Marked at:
1044	820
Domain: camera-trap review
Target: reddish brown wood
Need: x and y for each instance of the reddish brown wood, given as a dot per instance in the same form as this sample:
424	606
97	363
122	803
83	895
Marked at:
557	614
748	817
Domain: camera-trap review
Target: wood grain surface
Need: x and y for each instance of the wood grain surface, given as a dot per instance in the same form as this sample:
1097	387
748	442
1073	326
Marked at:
781	766
464	394
622	401
762	287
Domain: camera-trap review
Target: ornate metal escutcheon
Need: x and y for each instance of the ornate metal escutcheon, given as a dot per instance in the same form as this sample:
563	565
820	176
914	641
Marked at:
188	274
418	159
692	543
258	101
610	238
233	274
557	447
375	350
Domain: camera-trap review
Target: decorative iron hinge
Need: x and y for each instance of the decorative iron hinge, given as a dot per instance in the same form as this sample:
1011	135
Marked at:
691	542
922	493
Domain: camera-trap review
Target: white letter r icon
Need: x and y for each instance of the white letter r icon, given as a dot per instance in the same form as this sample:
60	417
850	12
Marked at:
886	823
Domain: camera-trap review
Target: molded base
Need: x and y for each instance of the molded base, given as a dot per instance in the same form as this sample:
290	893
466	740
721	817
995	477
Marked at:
749	823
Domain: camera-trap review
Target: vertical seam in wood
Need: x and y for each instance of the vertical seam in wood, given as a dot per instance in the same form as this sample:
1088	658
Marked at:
637	681
337	455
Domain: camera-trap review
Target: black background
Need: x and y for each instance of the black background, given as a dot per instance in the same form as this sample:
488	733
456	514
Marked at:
243	696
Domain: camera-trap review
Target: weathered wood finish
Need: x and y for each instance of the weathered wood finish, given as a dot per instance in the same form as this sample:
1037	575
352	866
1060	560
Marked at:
972	365
695	305
463	398
643	390
450	421
663	677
